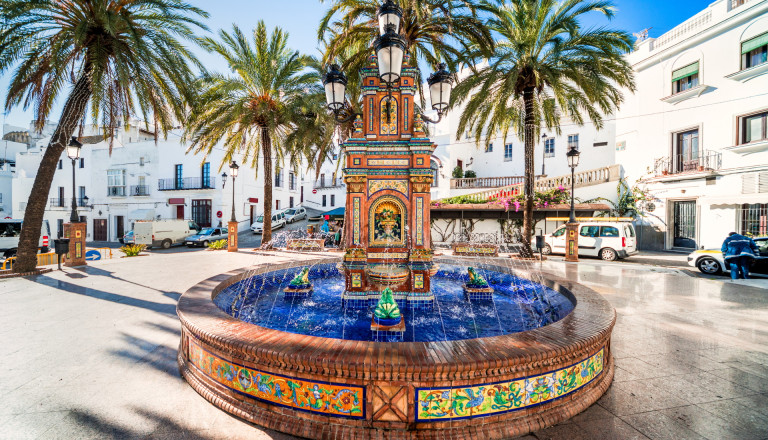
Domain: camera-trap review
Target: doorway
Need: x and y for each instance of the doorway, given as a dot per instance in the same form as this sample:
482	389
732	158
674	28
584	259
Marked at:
119	226
684	226
251	206
180	212
687	151
100	229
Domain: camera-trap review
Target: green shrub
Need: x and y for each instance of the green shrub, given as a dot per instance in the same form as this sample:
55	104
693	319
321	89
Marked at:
457	173
218	244
132	250
469	174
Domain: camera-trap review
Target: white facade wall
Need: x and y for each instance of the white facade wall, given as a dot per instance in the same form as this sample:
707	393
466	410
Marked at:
648	123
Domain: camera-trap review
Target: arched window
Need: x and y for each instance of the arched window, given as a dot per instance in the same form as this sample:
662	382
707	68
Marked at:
435	172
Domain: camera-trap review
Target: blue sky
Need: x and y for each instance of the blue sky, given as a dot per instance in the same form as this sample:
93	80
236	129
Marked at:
300	19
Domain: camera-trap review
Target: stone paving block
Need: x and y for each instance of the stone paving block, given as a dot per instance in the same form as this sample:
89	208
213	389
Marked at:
755	423
609	429
657	426
704	423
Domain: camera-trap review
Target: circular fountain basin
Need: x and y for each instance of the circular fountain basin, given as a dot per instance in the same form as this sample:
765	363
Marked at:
475	385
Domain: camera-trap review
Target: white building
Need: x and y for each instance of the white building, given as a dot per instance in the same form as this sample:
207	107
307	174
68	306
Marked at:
142	180
695	130
503	159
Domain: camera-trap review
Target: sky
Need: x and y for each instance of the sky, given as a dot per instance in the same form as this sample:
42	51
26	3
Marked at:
301	17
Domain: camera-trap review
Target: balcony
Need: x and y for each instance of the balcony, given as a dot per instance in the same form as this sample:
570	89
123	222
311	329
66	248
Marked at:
328	183
675	165
57	203
187	183
140	190
115	191
485	182
64	203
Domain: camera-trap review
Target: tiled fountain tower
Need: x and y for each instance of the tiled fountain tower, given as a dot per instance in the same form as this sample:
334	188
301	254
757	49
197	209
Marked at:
388	178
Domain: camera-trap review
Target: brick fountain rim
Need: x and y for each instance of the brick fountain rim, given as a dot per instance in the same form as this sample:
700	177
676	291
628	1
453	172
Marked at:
409	365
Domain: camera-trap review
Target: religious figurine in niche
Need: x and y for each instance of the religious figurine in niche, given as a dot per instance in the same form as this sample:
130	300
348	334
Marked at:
387	223
388	113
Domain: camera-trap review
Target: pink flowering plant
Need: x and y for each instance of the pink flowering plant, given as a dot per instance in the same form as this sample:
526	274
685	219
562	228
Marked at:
555	196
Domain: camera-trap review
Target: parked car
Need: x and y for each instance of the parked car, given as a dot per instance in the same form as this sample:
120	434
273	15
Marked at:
206	236
10	230
607	240
295	214
163	233
278	221
711	261
128	238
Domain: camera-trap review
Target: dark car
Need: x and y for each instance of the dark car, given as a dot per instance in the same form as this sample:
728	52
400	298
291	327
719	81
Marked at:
206	236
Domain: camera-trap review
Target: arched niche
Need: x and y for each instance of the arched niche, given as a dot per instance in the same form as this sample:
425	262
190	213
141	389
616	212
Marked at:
386	222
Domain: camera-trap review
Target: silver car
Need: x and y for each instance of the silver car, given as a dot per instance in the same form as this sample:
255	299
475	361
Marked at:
295	214
206	236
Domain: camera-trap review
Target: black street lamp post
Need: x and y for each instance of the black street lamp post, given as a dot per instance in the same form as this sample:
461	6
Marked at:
233	167
73	152
573	162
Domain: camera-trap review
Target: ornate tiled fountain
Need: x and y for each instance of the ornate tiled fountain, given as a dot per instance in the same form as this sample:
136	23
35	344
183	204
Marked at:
351	362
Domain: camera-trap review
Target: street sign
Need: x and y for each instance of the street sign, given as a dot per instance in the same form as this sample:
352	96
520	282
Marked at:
92	255
314	191
219	214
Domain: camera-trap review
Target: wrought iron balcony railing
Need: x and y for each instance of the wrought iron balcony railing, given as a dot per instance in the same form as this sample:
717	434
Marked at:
328	183
139	190
116	191
679	164
57	203
186	183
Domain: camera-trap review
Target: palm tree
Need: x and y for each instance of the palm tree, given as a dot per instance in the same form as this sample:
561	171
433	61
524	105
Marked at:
253	110
434	30
544	64
115	55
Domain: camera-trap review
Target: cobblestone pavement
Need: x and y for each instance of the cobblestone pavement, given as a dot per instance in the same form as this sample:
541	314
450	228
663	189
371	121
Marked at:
91	353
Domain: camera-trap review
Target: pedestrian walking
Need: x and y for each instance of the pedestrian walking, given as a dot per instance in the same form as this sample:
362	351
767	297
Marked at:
738	252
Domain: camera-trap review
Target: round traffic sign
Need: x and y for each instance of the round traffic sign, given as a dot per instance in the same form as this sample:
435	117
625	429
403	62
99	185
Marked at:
219	214
314	191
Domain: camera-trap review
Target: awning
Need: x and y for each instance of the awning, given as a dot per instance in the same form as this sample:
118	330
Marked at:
176	201
754	43
685	71
335	213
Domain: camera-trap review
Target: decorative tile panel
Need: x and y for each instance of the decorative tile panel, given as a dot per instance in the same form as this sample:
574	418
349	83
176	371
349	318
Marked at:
388	162
388	116
418	281
441	404
370	114
419	221
356	220
357	279
419	161
405	114
356	161
339	400
388	255
375	185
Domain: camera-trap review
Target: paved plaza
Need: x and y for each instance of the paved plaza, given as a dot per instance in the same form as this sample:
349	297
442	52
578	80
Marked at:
91	353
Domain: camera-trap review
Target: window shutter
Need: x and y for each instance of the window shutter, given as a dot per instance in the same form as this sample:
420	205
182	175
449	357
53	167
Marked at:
762	182
748	183
685	71
754	43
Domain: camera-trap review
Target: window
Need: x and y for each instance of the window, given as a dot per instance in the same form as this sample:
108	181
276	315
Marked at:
141	161
60	164
685	78
82	163
10	229
549	147
333	200
573	141
60	201
290	202
753	128
754	51
201	212
559	232
435	172
507	152
608	231
590	231
291	181
754	219
686	151
205	175
489	148
59	227
278	178
324	204
322	180
177	177
81	196
629	231
116	182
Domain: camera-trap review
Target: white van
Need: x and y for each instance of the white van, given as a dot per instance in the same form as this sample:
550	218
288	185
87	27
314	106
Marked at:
10	230
278	221
607	240
163	233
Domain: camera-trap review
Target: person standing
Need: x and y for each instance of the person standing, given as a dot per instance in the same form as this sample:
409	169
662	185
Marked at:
738	252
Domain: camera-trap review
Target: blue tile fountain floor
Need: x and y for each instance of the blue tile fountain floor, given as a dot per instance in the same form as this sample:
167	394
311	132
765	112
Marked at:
517	305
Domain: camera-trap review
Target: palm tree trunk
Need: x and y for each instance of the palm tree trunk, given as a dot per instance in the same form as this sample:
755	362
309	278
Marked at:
266	154
74	109
529	176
